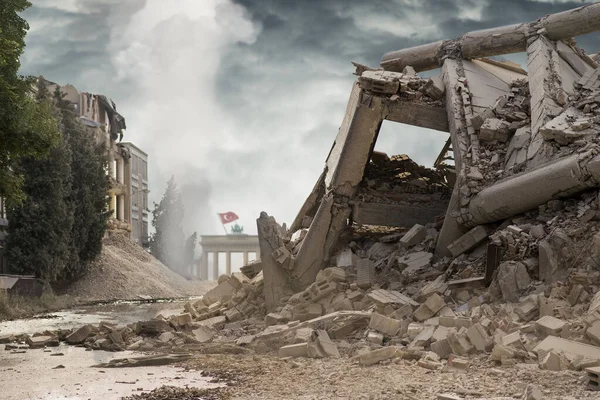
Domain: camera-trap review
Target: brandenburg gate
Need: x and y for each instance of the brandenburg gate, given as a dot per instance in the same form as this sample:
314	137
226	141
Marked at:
234	243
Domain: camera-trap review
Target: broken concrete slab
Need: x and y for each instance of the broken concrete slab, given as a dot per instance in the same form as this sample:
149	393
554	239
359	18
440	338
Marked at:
387	326
570	348
513	279
376	356
294	350
79	335
415	235
468	241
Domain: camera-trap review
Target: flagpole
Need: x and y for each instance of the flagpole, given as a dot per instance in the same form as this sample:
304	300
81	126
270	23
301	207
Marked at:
222	224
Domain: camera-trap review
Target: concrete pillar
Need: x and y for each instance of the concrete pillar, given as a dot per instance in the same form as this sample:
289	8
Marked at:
120	170
121	208
113	205
228	263
204	265
215	273
245	258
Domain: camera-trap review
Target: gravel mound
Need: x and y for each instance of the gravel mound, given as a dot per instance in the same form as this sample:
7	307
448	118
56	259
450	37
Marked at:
124	270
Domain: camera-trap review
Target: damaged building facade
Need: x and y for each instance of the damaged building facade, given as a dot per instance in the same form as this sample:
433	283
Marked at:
127	165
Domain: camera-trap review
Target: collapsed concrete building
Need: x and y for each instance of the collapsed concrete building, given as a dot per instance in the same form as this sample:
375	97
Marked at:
518	139
496	257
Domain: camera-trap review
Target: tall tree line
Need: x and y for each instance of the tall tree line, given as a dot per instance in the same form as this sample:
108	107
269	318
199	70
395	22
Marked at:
52	170
57	230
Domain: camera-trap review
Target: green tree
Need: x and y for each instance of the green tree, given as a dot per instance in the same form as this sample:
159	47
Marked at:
27	128
88	198
168	242
40	227
57	230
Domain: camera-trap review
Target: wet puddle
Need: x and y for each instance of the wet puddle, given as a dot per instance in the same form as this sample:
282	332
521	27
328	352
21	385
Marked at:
34	375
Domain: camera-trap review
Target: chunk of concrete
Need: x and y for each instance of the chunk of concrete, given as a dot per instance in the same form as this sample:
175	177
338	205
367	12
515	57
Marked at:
414	236
549	325
551	362
321	346
414	262
36	342
468	241
593	332
513	279
222	292
294	350
494	129
479	337
387	326
429	308
442	348
152	327
79	335
376	356
555	256
365	271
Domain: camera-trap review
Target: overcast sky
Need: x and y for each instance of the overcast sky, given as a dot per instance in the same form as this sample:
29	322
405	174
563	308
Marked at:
241	100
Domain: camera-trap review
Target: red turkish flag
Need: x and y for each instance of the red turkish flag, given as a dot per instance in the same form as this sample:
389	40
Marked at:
228	217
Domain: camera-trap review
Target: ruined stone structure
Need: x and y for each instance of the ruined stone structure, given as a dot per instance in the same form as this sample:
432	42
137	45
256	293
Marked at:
517	140
234	243
99	113
136	180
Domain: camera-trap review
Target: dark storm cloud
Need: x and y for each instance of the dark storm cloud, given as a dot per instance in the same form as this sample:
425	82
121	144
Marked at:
241	101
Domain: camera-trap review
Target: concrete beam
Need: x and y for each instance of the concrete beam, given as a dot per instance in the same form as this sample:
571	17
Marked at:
451	229
395	215
311	204
353	145
496	41
276	282
520	193
423	115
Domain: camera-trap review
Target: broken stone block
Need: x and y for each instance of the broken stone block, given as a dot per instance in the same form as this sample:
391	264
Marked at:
500	352
152	327
166	337
432	305
203	334
184	319
274	319
549	325
423	338
383	297
468	241
79	335
441	348
36	342
223	293
413	329
478	119
376	356
494	129
459	344
552	362
435	88
574	294
459	363
365	271
294	350
414	262
215	322
513	279
570	125
321	346
402	312
375	337
387	326
555	255
332	274
415	235
479	337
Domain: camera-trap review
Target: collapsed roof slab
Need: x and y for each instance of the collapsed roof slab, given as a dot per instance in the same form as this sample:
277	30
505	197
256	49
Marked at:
496	41
416	114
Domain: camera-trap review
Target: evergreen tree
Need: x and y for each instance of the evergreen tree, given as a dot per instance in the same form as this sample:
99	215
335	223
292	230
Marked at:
89	186
40	227
27	128
57	231
168	241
